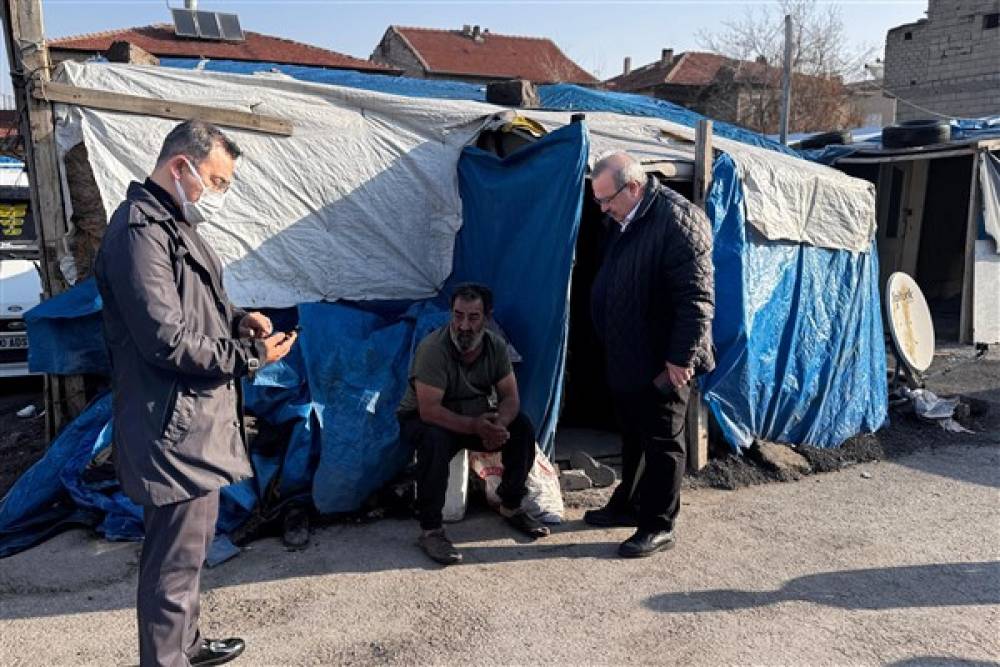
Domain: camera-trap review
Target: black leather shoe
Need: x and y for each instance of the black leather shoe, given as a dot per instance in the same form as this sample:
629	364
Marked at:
646	543
527	524
611	517
218	651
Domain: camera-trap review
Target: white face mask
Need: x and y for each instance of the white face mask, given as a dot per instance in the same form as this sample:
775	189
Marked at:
209	202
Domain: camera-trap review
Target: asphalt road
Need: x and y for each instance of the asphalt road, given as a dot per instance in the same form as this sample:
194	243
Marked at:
884	563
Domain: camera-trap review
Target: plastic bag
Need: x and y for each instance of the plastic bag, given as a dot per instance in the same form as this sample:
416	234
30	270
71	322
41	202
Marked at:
544	499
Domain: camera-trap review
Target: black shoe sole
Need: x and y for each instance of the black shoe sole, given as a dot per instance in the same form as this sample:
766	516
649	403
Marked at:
666	546
221	660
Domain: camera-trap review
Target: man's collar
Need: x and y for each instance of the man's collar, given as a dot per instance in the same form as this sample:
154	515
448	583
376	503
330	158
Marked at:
631	214
142	198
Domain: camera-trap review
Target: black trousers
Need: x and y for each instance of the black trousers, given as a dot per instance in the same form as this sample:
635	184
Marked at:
168	602
654	452
435	448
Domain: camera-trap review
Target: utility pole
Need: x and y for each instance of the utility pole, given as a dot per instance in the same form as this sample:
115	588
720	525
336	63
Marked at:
786	81
28	55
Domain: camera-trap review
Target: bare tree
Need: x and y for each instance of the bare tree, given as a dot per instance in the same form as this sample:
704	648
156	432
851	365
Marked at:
749	87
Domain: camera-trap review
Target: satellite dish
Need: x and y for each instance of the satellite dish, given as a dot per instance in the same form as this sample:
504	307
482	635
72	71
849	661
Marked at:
910	323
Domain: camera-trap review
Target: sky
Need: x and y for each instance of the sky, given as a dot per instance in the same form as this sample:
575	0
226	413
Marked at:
596	34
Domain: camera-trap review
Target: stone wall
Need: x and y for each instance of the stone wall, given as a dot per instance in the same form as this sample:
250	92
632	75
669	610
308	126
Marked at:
394	51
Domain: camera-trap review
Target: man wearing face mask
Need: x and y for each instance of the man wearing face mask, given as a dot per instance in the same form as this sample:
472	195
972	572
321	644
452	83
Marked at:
178	349
463	394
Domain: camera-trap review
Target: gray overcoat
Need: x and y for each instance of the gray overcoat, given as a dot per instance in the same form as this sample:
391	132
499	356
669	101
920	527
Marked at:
175	358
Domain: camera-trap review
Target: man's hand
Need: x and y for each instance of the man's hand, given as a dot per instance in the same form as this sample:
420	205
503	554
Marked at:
679	376
492	433
255	325
277	345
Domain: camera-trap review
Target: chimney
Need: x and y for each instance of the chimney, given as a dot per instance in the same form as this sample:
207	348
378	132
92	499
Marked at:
627	65
666	55
191	4
476	34
466	29
761	60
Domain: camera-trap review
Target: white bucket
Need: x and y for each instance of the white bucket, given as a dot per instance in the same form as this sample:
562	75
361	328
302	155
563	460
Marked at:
457	497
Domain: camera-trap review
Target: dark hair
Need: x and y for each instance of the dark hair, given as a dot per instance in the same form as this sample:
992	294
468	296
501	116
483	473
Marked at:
474	292
196	139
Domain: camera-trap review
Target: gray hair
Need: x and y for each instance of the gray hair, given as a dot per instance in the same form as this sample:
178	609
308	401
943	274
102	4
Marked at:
196	139
626	168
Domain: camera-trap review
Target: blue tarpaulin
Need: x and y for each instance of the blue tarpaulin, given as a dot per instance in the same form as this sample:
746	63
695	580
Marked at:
801	353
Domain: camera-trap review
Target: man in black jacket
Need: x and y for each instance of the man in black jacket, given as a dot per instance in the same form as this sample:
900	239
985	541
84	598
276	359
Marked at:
178	351
652	305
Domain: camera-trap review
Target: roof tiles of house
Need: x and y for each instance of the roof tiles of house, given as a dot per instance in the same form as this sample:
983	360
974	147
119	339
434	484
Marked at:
693	68
161	41
699	69
536	59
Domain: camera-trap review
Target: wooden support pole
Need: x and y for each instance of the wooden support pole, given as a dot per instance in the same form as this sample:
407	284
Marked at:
147	106
966	333
28	55
697	417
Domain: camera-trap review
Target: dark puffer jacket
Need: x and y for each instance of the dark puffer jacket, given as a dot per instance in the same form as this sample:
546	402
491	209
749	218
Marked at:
653	298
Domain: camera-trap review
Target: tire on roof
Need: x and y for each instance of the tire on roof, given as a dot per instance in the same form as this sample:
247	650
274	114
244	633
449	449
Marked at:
822	139
916	133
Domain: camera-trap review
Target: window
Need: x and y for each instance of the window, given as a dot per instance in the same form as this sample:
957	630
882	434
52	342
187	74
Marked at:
907	36
991	21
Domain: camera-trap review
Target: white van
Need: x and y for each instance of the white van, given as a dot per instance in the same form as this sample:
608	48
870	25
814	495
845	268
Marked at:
20	291
20	280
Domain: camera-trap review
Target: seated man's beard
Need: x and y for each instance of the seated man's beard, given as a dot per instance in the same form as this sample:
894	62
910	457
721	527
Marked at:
467	340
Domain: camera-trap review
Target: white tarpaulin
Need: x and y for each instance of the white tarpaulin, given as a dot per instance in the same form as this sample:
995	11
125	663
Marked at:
362	201
789	199
989	180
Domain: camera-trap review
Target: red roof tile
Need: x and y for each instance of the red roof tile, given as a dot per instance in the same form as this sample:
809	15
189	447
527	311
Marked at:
161	41
502	56
693	68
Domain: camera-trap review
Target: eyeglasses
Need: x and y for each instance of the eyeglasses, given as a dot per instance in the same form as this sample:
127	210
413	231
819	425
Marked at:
218	183
603	201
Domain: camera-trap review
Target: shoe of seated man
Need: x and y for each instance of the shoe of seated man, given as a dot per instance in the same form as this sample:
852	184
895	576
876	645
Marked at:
217	651
438	547
524	522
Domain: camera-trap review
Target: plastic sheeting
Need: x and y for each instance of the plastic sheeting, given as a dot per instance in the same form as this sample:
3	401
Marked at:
801	351
366	183
65	333
989	180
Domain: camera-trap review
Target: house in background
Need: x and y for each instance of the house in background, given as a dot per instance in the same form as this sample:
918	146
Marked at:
477	55
164	41
870	104
948	63
737	91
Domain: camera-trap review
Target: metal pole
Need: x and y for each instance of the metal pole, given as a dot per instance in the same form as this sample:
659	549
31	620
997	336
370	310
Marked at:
786	81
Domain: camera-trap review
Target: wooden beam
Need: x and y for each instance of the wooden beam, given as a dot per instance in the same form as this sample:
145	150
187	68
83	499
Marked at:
885	159
148	106
965	319
697	416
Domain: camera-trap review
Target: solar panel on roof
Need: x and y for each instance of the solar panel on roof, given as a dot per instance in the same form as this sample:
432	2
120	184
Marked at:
231	29
208	25
184	23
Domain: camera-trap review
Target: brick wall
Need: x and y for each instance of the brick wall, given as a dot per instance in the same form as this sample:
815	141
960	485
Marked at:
948	62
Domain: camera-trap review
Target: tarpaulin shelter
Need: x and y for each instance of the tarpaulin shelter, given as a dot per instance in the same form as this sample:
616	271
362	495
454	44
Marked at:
357	224
938	212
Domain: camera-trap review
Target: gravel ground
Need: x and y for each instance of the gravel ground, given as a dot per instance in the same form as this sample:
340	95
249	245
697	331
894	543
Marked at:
893	560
